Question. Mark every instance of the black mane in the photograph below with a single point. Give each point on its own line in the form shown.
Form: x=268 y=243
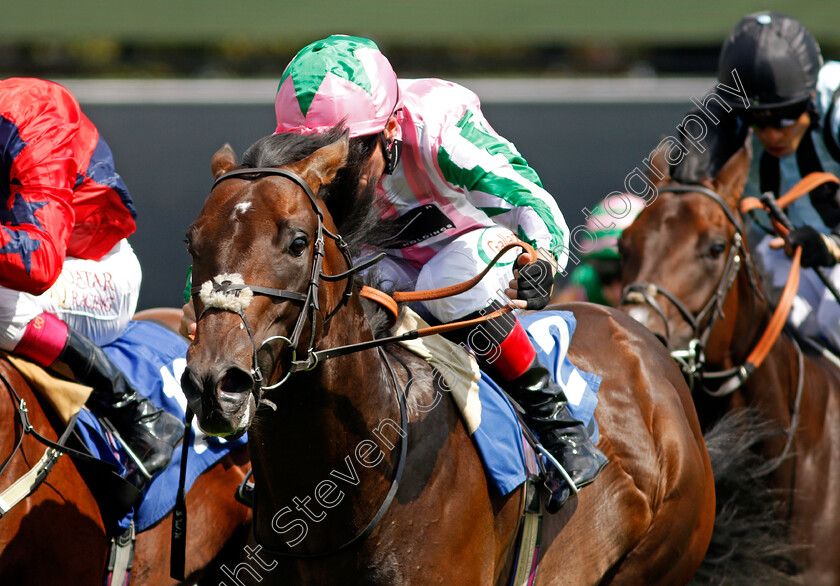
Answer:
x=280 y=149
x=356 y=213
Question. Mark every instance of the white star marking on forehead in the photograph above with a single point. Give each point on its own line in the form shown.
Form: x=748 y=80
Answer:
x=240 y=209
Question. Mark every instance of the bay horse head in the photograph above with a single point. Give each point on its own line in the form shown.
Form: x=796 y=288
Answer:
x=681 y=261
x=260 y=246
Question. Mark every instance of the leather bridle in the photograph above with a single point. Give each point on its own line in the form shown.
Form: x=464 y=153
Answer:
x=692 y=358
x=309 y=299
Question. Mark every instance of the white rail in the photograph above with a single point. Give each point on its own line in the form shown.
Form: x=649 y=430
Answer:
x=261 y=91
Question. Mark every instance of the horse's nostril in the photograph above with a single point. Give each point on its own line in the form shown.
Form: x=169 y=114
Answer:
x=235 y=381
x=190 y=384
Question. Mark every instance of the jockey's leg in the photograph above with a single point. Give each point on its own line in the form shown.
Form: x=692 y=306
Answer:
x=828 y=314
x=151 y=433
x=92 y=299
x=506 y=353
x=815 y=312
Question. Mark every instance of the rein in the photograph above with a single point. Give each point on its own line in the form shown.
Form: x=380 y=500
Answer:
x=692 y=359
x=386 y=503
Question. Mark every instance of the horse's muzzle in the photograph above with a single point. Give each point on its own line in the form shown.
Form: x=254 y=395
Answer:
x=221 y=396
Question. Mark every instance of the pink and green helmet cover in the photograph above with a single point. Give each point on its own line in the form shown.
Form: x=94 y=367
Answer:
x=340 y=78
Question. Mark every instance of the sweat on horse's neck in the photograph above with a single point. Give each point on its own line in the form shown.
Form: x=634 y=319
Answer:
x=745 y=317
x=330 y=422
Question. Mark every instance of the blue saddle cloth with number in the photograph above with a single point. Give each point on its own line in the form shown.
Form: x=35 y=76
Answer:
x=153 y=358
x=507 y=457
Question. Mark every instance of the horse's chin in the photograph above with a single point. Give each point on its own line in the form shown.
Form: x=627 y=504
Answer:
x=225 y=435
x=226 y=423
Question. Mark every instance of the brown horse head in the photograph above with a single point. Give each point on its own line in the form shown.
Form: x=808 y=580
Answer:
x=681 y=253
x=270 y=231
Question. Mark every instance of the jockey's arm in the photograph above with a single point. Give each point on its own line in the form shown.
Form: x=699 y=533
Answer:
x=498 y=181
x=35 y=232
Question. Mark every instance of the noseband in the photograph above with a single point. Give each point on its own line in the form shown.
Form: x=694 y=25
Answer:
x=226 y=291
x=692 y=358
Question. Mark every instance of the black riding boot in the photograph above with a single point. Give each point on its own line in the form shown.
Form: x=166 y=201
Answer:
x=149 y=432
x=548 y=415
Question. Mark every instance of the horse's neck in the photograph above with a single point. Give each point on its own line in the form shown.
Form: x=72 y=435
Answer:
x=772 y=386
x=745 y=316
x=319 y=443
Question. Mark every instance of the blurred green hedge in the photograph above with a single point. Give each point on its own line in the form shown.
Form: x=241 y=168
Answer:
x=257 y=37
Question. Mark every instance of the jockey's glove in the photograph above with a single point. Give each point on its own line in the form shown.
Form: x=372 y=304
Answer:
x=818 y=250
x=534 y=284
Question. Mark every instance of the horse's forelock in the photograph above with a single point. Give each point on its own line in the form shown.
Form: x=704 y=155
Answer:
x=288 y=147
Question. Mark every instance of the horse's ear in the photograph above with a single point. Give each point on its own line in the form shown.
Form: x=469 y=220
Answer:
x=223 y=160
x=321 y=166
x=732 y=178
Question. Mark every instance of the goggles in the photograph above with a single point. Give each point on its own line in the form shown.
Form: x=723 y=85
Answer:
x=779 y=118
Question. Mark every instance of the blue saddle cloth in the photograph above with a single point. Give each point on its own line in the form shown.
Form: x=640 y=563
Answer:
x=507 y=458
x=153 y=359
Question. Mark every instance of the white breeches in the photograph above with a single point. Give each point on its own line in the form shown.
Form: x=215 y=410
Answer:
x=463 y=258
x=96 y=298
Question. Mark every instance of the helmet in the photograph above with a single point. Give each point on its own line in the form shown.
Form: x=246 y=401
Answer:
x=337 y=79
x=776 y=58
x=612 y=216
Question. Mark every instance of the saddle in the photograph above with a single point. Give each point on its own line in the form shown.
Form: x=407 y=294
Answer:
x=65 y=396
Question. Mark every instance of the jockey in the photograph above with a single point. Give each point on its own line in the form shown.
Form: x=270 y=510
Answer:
x=789 y=102
x=456 y=192
x=597 y=278
x=69 y=280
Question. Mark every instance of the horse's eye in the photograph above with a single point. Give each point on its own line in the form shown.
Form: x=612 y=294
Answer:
x=298 y=246
x=716 y=249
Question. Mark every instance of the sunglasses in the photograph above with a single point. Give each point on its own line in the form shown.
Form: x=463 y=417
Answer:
x=774 y=117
